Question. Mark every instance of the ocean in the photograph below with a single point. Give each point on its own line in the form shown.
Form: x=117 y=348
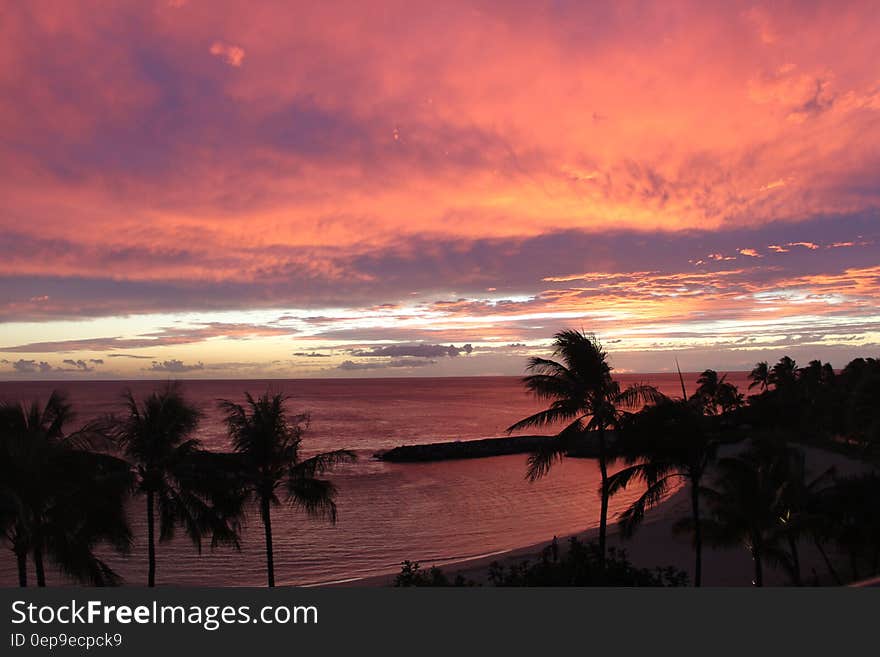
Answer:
x=434 y=513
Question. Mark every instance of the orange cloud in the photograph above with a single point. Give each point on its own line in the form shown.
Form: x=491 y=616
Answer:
x=232 y=55
x=348 y=148
x=751 y=253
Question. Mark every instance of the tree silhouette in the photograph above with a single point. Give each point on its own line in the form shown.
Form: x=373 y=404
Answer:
x=797 y=500
x=668 y=441
x=783 y=374
x=268 y=442
x=716 y=393
x=760 y=376
x=583 y=395
x=58 y=498
x=751 y=503
x=183 y=484
x=851 y=518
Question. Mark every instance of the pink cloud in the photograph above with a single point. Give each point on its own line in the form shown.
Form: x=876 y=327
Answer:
x=363 y=144
x=232 y=55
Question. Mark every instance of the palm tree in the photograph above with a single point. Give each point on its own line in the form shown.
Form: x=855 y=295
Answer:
x=662 y=443
x=716 y=392
x=760 y=376
x=183 y=484
x=59 y=498
x=708 y=384
x=798 y=499
x=9 y=529
x=729 y=397
x=268 y=442
x=749 y=504
x=584 y=395
x=784 y=374
x=852 y=521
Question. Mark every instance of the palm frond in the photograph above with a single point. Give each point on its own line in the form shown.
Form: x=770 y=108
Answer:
x=558 y=412
x=635 y=514
x=549 y=452
x=321 y=463
x=317 y=497
x=640 y=393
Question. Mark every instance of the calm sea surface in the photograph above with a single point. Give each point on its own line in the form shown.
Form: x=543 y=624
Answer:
x=433 y=512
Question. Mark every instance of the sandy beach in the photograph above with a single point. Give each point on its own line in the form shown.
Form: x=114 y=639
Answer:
x=655 y=544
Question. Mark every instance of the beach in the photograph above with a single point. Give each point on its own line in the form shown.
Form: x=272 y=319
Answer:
x=655 y=544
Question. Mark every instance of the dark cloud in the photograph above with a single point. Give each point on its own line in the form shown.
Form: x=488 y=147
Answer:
x=414 y=350
x=310 y=354
x=22 y=366
x=376 y=277
x=81 y=365
x=164 y=337
x=175 y=366
x=351 y=366
x=90 y=344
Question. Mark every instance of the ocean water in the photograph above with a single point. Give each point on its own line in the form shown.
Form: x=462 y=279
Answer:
x=435 y=513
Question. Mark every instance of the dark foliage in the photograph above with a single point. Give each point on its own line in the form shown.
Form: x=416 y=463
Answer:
x=815 y=404
x=581 y=565
x=411 y=574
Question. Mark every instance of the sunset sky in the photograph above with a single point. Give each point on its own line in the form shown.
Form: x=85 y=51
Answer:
x=199 y=188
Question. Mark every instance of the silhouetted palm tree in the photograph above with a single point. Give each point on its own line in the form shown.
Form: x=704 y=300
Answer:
x=584 y=395
x=716 y=393
x=862 y=408
x=813 y=374
x=784 y=373
x=183 y=484
x=661 y=443
x=852 y=521
x=59 y=499
x=749 y=505
x=268 y=442
x=760 y=376
x=707 y=387
x=798 y=498
x=729 y=397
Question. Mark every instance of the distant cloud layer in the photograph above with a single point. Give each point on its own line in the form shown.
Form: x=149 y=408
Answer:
x=351 y=366
x=415 y=350
x=175 y=366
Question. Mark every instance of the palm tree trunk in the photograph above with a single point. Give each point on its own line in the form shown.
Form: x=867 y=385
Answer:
x=21 y=558
x=759 y=567
x=698 y=535
x=151 y=541
x=267 y=524
x=38 y=565
x=854 y=565
x=795 y=562
x=603 y=517
x=827 y=561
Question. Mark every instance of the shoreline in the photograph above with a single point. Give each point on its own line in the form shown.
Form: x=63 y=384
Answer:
x=476 y=567
x=653 y=545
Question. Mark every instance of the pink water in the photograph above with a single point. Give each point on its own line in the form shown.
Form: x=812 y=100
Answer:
x=428 y=512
